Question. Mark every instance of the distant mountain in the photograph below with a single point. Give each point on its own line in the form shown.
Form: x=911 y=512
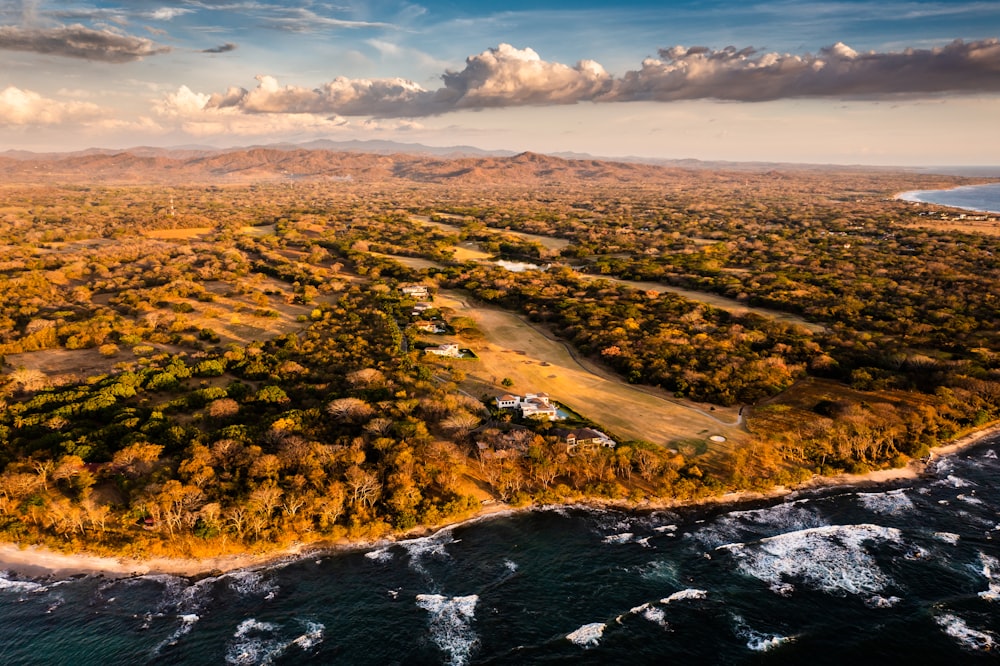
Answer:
x=363 y=161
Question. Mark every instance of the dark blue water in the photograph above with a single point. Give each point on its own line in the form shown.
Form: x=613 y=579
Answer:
x=984 y=198
x=907 y=574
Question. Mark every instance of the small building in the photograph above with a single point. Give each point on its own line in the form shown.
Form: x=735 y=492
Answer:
x=508 y=401
x=430 y=326
x=422 y=306
x=415 y=291
x=585 y=437
x=531 y=406
x=450 y=350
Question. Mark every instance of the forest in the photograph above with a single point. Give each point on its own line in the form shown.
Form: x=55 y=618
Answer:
x=194 y=369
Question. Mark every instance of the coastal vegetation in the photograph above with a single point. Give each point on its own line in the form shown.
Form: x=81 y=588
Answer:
x=192 y=369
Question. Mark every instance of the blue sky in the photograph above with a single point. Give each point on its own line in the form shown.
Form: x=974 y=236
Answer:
x=898 y=82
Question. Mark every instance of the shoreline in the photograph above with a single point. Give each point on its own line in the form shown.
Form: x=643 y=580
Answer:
x=35 y=561
x=913 y=196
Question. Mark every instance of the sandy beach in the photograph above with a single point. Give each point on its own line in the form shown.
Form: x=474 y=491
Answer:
x=36 y=561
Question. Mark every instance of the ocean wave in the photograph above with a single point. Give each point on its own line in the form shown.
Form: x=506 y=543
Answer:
x=20 y=586
x=756 y=640
x=968 y=499
x=832 y=559
x=947 y=537
x=382 y=555
x=589 y=635
x=684 y=595
x=893 y=501
x=879 y=601
x=250 y=583
x=989 y=570
x=773 y=520
x=656 y=616
x=624 y=537
x=450 y=624
x=956 y=482
x=425 y=547
x=187 y=623
x=966 y=636
x=259 y=643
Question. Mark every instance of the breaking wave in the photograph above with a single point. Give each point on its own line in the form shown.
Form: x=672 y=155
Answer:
x=893 y=501
x=260 y=643
x=451 y=624
x=966 y=636
x=775 y=520
x=589 y=635
x=832 y=559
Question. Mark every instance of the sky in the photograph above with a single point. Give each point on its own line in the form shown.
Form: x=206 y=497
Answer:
x=899 y=82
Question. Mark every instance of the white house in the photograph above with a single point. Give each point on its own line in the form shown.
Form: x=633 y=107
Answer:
x=532 y=405
x=415 y=291
x=450 y=350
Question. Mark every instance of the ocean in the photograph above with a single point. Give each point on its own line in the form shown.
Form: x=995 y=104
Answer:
x=983 y=198
x=892 y=574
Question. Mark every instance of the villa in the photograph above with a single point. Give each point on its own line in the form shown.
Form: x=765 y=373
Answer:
x=450 y=350
x=531 y=406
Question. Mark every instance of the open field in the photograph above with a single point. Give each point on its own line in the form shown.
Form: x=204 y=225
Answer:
x=515 y=349
x=548 y=242
x=178 y=234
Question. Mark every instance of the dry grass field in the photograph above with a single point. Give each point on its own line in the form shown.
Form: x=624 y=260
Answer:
x=514 y=349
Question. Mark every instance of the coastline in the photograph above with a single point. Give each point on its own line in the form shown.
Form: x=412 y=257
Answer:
x=36 y=561
x=914 y=196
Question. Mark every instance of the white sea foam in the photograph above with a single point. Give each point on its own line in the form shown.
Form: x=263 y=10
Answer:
x=258 y=642
x=684 y=595
x=589 y=635
x=251 y=583
x=966 y=636
x=947 y=537
x=969 y=499
x=19 y=586
x=878 y=601
x=893 y=501
x=624 y=537
x=450 y=624
x=254 y=643
x=187 y=623
x=381 y=555
x=775 y=520
x=832 y=559
x=666 y=529
x=510 y=565
x=656 y=616
x=756 y=640
x=312 y=637
x=430 y=546
x=956 y=482
x=990 y=572
x=990 y=454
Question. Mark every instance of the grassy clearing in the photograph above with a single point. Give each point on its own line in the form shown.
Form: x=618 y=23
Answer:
x=178 y=234
x=516 y=350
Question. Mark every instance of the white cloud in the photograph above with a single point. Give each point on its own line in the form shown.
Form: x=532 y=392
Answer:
x=199 y=114
x=27 y=108
x=506 y=76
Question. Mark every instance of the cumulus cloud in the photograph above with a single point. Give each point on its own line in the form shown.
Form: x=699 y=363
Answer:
x=27 y=108
x=200 y=114
x=78 y=41
x=224 y=48
x=837 y=71
x=507 y=76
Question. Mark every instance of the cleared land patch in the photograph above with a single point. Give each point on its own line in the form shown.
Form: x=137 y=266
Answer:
x=515 y=349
